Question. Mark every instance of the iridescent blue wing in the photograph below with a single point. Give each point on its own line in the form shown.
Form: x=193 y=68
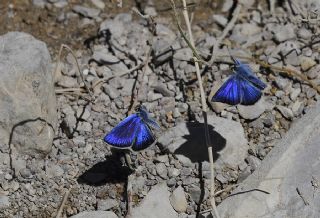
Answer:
x=245 y=71
x=249 y=93
x=229 y=92
x=144 y=137
x=146 y=118
x=237 y=90
x=124 y=134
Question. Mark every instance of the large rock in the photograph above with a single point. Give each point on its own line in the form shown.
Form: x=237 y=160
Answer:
x=290 y=173
x=227 y=138
x=27 y=99
x=156 y=204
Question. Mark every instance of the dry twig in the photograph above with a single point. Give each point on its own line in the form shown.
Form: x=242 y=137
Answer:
x=197 y=57
x=63 y=202
x=58 y=66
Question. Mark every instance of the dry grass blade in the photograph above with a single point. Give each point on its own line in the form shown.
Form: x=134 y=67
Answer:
x=58 y=67
x=190 y=43
x=63 y=202
x=289 y=72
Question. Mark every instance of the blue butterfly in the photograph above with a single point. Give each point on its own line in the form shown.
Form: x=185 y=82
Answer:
x=243 y=87
x=133 y=132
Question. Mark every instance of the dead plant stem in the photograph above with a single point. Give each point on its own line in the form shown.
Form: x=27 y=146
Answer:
x=204 y=108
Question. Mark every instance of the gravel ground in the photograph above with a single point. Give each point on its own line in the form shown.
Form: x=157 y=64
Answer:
x=95 y=174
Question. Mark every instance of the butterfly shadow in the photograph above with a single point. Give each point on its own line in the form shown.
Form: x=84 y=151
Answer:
x=195 y=146
x=196 y=150
x=109 y=171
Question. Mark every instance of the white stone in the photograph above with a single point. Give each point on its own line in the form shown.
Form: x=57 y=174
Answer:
x=155 y=205
x=178 y=200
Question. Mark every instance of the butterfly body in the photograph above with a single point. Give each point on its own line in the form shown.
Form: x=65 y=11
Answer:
x=243 y=87
x=133 y=132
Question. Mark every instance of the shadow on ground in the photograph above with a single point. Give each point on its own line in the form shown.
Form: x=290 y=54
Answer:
x=109 y=171
x=195 y=147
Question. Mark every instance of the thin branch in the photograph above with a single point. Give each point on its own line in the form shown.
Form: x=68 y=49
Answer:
x=63 y=202
x=103 y=80
x=203 y=98
x=61 y=91
x=58 y=66
x=226 y=189
x=289 y=72
x=189 y=43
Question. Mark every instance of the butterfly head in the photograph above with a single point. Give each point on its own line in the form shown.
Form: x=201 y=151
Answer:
x=141 y=109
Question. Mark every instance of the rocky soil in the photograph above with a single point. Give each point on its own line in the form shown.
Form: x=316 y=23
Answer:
x=173 y=176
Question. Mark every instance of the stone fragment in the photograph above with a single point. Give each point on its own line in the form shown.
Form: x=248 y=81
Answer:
x=178 y=200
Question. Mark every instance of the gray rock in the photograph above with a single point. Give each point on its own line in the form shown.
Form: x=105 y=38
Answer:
x=314 y=72
x=4 y=202
x=67 y=82
x=107 y=204
x=220 y=19
x=163 y=89
x=85 y=11
x=162 y=170
x=227 y=5
x=150 y=11
x=253 y=162
x=54 y=170
x=285 y=32
x=156 y=204
x=297 y=108
x=252 y=112
x=39 y=3
x=139 y=184
x=95 y=214
x=304 y=33
x=33 y=120
x=153 y=96
x=183 y=54
x=269 y=120
x=173 y=172
x=282 y=83
x=295 y=93
x=103 y=56
x=310 y=92
x=111 y=91
x=295 y=162
x=195 y=193
x=98 y=3
x=306 y=63
x=127 y=86
x=115 y=27
x=221 y=178
x=286 y=112
x=84 y=126
x=227 y=138
x=178 y=200
x=61 y=3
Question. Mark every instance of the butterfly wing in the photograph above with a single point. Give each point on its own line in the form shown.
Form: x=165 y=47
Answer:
x=237 y=90
x=245 y=71
x=249 y=93
x=124 y=134
x=229 y=92
x=144 y=137
x=146 y=118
